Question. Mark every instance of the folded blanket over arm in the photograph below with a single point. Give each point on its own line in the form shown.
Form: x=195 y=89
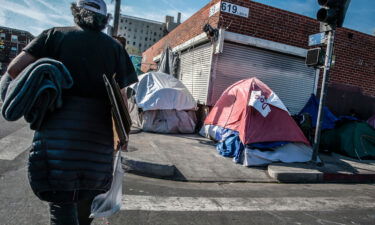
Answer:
x=37 y=89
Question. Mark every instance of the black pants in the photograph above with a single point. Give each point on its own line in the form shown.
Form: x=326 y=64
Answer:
x=70 y=208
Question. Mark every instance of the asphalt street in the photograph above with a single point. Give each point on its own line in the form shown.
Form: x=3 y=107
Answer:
x=155 y=201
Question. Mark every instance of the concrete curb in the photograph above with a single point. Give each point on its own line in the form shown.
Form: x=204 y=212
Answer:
x=148 y=168
x=307 y=173
x=348 y=178
x=282 y=173
x=295 y=173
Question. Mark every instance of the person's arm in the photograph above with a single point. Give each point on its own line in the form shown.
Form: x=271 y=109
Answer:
x=20 y=63
x=36 y=49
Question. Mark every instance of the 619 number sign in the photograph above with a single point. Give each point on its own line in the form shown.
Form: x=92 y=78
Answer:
x=234 y=9
x=228 y=7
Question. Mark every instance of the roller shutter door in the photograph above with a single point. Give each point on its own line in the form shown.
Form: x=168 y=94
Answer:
x=195 y=70
x=286 y=75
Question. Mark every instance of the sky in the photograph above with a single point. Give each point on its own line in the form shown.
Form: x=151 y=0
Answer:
x=38 y=15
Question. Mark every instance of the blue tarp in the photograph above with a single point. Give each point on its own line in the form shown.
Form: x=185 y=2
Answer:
x=312 y=107
x=268 y=145
x=137 y=63
x=231 y=146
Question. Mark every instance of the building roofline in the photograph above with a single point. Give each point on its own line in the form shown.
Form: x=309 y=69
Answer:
x=2 y=27
x=310 y=18
x=142 y=19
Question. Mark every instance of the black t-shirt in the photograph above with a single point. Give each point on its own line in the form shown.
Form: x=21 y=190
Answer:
x=88 y=55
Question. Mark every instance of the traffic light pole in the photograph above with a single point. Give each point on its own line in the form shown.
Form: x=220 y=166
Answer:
x=323 y=93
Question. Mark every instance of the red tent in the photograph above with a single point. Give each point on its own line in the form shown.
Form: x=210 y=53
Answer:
x=255 y=111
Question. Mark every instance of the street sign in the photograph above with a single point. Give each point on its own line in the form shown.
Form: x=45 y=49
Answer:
x=317 y=39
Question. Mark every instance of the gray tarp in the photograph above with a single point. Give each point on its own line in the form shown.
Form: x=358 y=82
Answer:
x=169 y=121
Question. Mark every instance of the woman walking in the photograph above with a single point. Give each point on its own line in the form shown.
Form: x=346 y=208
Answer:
x=72 y=153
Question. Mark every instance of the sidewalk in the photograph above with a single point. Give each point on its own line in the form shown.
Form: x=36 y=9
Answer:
x=194 y=158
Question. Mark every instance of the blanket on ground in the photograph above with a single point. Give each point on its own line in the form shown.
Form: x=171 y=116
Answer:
x=35 y=91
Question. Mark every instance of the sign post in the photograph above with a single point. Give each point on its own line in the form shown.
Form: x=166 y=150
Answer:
x=323 y=94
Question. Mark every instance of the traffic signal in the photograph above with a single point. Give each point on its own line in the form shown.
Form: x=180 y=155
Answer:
x=315 y=57
x=333 y=12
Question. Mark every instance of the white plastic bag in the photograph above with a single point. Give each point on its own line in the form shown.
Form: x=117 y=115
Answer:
x=107 y=204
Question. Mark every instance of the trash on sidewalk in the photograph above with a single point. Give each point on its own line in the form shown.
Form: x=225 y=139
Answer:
x=254 y=127
x=346 y=135
x=162 y=104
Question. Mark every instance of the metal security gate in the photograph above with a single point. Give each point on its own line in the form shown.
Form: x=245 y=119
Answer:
x=195 y=70
x=286 y=75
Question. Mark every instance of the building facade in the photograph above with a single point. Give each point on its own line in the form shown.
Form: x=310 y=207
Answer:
x=141 y=33
x=12 y=41
x=254 y=39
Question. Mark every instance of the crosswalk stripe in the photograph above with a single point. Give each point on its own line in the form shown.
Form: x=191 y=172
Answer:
x=199 y=204
x=13 y=145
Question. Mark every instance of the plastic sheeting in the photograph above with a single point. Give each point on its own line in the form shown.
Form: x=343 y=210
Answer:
x=134 y=110
x=290 y=153
x=268 y=145
x=352 y=138
x=160 y=91
x=231 y=147
x=137 y=63
x=169 y=121
x=215 y=133
x=312 y=107
x=168 y=62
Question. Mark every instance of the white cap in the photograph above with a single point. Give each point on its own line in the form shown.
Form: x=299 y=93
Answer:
x=97 y=6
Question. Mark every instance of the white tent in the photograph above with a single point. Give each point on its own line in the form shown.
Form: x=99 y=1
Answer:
x=160 y=91
x=166 y=104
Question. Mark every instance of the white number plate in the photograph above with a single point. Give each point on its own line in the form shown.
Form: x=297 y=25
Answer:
x=229 y=8
x=234 y=9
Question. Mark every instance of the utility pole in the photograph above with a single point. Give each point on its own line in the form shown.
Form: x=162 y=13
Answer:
x=117 y=17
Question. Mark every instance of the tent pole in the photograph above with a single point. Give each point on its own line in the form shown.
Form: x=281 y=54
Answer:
x=323 y=94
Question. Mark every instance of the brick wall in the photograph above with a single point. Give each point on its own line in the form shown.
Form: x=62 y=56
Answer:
x=355 y=58
x=184 y=32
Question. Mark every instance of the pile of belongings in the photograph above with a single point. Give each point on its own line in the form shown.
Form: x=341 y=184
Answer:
x=345 y=135
x=162 y=104
x=254 y=127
